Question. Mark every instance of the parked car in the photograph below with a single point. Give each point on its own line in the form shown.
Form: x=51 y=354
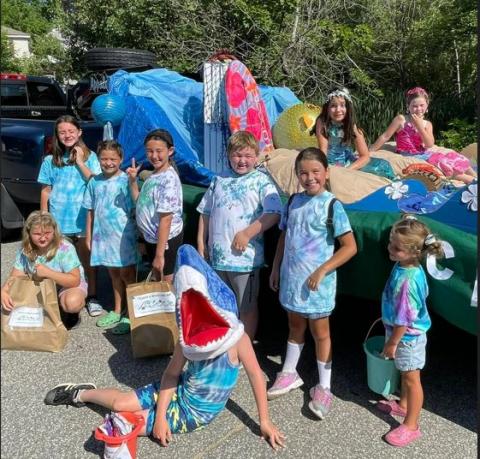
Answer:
x=29 y=107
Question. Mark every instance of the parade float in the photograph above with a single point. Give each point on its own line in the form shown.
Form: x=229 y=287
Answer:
x=202 y=115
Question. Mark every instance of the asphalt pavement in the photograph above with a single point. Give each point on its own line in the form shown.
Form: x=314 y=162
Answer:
x=353 y=429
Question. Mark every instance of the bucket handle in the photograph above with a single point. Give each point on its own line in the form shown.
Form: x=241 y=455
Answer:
x=368 y=333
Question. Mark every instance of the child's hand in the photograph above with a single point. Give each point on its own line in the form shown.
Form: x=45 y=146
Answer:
x=274 y=280
x=418 y=122
x=161 y=431
x=389 y=350
x=79 y=155
x=158 y=264
x=6 y=300
x=132 y=171
x=315 y=278
x=240 y=241
x=275 y=437
x=41 y=272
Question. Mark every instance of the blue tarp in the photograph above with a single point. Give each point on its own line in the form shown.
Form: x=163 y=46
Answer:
x=161 y=98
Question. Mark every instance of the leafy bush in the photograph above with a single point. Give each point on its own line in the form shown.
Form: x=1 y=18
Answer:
x=460 y=134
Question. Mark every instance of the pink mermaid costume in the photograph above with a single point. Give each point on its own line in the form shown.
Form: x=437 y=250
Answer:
x=409 y=142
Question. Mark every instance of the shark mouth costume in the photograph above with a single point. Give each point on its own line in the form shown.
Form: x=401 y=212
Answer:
x=207 y=313
x=207 y=318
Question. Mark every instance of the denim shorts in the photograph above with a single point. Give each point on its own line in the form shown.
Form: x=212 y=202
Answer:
x=310 y=315
x=410 y=355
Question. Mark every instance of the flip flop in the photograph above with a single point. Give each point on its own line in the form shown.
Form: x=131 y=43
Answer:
x=122 y=328
x=108 y=320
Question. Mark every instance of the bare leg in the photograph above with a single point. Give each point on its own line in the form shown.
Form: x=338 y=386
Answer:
x=320 y=329
x=84 y=255
x=296 y=328
x=414 y=392
x=118 y=289
x=72 y=300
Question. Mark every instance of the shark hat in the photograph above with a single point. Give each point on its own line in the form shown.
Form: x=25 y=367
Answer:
x=206 y=309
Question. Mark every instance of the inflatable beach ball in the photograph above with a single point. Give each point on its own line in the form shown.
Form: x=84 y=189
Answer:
x=293 y=126
x=108 y=108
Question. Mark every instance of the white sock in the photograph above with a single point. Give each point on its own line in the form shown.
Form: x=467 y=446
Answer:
x=77 y=397
x=324 y=374
x=293 y=356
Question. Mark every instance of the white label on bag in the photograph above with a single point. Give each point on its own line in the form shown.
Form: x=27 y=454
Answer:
x=153 y=303
x=25 y=317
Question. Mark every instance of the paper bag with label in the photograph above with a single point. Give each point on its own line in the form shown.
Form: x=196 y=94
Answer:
x=34 y=324
x=151 y=309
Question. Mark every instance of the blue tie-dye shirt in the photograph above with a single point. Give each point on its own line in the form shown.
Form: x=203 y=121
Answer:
x=203 y=389
x=338 y=154
x=68 y=186
x=114 y=237
x=232 y=203
x=308 y=246
x=404 y=301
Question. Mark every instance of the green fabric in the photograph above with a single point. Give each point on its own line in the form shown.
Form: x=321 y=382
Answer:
x=366 y=274
x=108 y=320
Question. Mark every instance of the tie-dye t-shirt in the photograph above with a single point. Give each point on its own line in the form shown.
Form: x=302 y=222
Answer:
x=161 y=193
x=114 y=238
x=202 y=392
x=68 y=186
x=307 y=246
x=404 y=301
x=64 y=261
x=232 y=203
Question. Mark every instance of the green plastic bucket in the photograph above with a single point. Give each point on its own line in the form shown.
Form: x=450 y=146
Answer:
x=382 y=376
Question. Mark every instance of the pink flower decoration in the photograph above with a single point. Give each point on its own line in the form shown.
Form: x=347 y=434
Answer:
x=254 y=124
x=235 y=90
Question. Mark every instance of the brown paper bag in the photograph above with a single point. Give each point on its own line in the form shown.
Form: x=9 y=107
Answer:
x=34 y=324
x=151 y=309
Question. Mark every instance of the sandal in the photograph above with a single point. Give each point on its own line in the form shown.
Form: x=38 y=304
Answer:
x=108 y=320
x=122 y=328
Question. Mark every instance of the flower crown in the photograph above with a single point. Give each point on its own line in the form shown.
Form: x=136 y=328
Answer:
x=416 y=90
x=343 y=92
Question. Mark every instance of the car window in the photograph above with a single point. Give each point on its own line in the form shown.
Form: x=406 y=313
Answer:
x=13 y=94
x=43 y=94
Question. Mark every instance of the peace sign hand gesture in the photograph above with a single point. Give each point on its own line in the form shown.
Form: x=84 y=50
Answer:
x=132 y=171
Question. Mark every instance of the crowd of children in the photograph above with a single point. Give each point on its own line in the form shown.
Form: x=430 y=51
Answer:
x=93 y=214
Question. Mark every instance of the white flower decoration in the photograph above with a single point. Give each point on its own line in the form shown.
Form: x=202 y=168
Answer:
x=469 y=196
x=396 y=190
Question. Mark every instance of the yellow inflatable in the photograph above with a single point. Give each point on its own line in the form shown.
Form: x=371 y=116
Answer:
x=292 y=129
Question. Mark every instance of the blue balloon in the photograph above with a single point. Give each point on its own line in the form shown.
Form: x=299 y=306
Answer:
x=108 y=108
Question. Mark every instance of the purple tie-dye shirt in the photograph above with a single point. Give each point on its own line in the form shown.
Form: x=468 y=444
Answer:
x=404 y=301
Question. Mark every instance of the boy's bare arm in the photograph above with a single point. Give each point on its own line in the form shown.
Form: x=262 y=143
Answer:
x=263 y=223
x=202 y=235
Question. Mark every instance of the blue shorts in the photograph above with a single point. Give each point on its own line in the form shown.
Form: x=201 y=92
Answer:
x=410 y=355
x=147 y=397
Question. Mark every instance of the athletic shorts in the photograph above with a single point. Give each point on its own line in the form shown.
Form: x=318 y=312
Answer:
x=245 y=286
x=170 y=253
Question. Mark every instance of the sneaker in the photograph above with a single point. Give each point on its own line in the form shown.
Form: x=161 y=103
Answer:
x=109 y=320
x=65 y=394
x=391 y=407
x=284 y=383
x=321 y=401
x=402 y=436
x=94 y=308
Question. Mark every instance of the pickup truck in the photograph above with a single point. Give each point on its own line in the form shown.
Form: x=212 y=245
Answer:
x=29 y=107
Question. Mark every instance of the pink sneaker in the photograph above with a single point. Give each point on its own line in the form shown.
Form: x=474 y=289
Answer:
x=402 y=436
x=321 y=401
x=284 y=383
x=391 y=407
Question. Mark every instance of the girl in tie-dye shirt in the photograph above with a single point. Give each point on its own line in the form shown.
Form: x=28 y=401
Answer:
x=406 y=320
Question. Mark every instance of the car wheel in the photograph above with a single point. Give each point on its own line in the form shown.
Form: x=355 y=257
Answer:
x=110 y=58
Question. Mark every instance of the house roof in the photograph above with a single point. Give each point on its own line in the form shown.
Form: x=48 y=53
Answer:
x=14 y=33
